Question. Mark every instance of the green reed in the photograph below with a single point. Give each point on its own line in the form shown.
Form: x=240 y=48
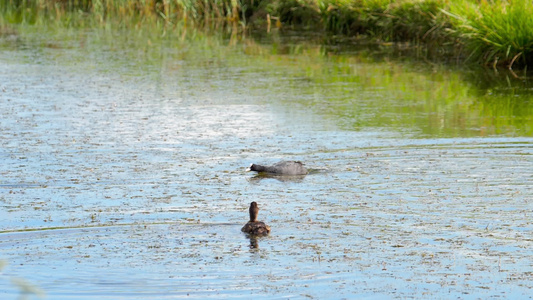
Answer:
x=131 y=12
x=497 y=31
x=383 y=19
x=493 y=31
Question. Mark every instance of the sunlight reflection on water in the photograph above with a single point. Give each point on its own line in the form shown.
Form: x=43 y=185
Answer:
x=138 y=195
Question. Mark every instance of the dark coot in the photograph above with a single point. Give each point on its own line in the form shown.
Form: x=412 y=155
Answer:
x=281 y=168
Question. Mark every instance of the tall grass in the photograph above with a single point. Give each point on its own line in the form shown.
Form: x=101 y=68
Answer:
x=384 y=19
x=76 y=12
x=495 y=31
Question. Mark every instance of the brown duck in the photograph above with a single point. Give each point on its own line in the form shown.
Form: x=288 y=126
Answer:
x=255 y=227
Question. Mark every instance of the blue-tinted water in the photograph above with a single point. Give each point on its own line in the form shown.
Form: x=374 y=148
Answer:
x=133 y=186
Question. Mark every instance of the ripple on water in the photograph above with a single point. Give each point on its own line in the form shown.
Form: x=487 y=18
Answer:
x=120 y=192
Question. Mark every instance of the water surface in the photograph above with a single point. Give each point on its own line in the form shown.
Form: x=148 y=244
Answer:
x=124 y=160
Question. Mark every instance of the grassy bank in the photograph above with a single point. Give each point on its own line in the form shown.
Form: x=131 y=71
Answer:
x=493 y=32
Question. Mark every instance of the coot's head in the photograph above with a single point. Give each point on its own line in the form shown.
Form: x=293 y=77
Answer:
x=252 y=167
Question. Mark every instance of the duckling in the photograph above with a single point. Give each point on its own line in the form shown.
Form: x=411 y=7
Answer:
x=253 y=226
x=281 y=168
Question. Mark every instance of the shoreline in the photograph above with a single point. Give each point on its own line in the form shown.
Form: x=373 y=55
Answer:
x=492 y=34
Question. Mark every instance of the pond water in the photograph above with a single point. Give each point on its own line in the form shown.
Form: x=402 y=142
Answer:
x=124 y=161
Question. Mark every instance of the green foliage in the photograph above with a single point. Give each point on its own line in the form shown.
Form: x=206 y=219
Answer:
x=495 y=31
x=416 y=20
x=385 y=20
x=296 y=12
x=123 y=11
x=351 y=17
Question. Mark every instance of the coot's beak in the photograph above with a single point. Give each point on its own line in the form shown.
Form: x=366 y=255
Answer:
x=249 y=168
